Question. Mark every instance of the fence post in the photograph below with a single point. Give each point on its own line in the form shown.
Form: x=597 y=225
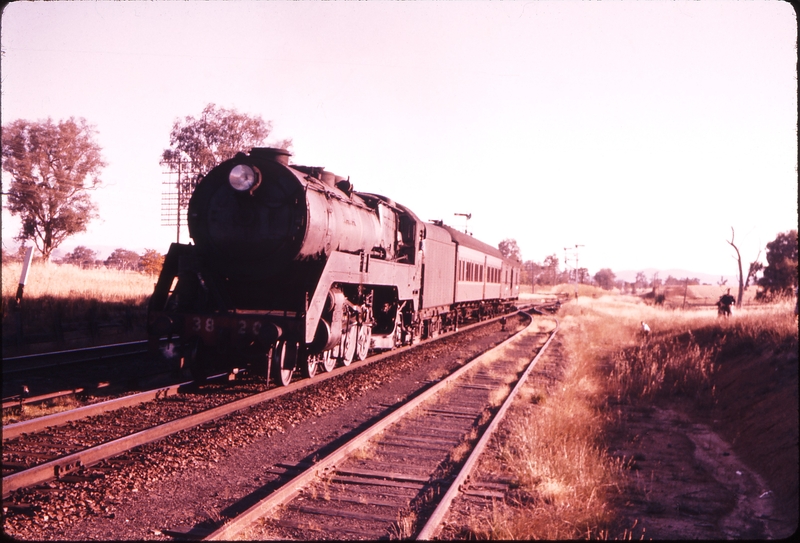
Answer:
x=23 y=278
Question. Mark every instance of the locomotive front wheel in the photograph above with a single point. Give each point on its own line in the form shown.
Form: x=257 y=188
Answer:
x=283 y=362
x=328 y=361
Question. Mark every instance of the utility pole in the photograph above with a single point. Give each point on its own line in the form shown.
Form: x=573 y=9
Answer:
x=174 y=197
x=576 y=268
x=577 y=263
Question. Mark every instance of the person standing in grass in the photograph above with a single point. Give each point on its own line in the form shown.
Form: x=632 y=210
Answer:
x=724 y=304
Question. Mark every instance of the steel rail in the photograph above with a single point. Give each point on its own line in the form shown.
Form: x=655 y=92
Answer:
x=434 y=522
x=29 y=362
x=18 y=399
x=285 y=493
x=53 y=469
x=57 y=419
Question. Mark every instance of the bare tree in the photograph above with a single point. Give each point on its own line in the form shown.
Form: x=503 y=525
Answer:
x=741 y=274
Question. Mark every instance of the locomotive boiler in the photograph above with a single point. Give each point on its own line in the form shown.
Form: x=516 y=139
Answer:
x=293 y=269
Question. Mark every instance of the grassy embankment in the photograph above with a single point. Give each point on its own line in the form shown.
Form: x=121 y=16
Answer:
x=61 y=298
x=740 y=372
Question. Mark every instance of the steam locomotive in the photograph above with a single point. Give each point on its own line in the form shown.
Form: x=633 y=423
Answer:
x=291 y=269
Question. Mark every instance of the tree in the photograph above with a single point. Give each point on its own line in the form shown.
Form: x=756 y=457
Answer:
x=151 y=262
x=755 y=267
x=80 y=256
x=199 y=144
x=674 y=281
x=605 y=279
x=641 y=280
x=780 y=274
x=741 y=275
x=123 y=259
x=52 y=168
x=509 y=249
x=551 y=264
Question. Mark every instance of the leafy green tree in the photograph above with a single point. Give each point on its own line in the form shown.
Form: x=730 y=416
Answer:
x=52 y=167
x=510 y=249
x=605 y=279
x=780 y=274
x=551 y=264
x=199 y=144
x=123 y=259
x=80 y=256
x=151 y=262
x=641 y=281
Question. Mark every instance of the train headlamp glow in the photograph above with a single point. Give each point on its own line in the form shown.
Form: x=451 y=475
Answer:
x=243 y=177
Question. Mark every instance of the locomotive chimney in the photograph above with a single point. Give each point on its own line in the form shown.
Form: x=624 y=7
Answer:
x=328 y=178
x=272 y=153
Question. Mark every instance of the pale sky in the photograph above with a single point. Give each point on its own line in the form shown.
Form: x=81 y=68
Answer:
x=641 y=131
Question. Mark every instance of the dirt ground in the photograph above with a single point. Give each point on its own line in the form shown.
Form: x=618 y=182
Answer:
x=720 y=468
x=689 y=483
x=728 y=472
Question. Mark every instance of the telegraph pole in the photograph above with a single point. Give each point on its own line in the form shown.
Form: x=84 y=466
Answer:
x=577 y=266
x=175 y=194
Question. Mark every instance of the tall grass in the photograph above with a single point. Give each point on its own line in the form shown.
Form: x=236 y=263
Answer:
x=68 y=281
x=557 y=458
x=61 y=298
x=556 y=449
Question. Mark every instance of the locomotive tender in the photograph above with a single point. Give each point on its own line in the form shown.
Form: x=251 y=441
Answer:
x=291 y=268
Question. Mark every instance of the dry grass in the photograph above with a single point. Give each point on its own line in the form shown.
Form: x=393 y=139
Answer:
x=61 y=300
x=368 y=451
x=556 y=449
x=403 y=527
x=556 y=456
x=67 y=281
x=32 y=411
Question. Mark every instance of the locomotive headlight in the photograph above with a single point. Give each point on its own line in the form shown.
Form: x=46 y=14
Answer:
x=243 y=178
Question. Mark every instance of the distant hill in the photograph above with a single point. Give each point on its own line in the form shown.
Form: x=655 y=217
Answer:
x=705 y=278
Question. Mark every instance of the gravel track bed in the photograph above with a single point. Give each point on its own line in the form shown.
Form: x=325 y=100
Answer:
x=92 y=431
x=491 y=483
x=194 y=478
x=424 y=451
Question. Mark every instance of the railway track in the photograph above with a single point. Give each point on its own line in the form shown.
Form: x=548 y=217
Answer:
x=409 y=462
x=58 y=445
x=75 y=501
x=37 y=362
x=94 y=371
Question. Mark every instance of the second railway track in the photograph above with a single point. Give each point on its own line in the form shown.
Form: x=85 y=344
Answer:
x=385 y=481
x=44 y=500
